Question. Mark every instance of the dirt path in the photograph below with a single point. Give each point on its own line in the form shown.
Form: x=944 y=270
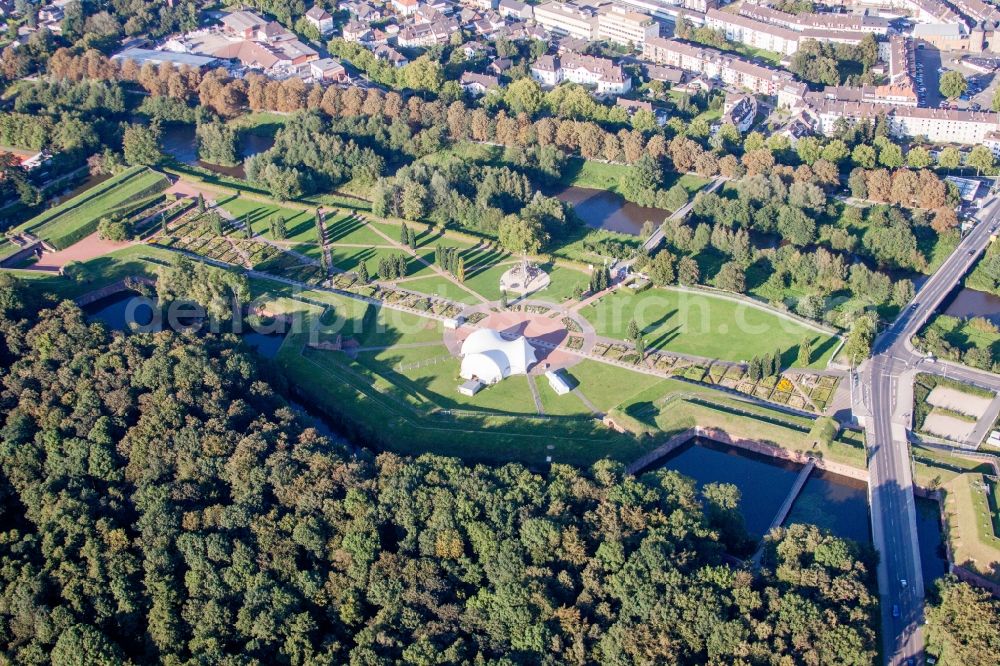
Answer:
x=88 y=248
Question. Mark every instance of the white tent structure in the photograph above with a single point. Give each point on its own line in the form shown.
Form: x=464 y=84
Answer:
x=488 y=357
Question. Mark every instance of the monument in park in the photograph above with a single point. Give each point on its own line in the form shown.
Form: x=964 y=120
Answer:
x=524 y=277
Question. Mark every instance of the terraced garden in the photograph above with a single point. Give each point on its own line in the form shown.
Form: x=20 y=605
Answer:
x=76 y=218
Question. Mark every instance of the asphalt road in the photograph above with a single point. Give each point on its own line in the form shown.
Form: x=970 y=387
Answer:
x=886 y=389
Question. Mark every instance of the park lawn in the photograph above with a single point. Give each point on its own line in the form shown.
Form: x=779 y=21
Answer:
x=563 y=280
x=971 y=522
x=558 y=405
x=606 y=385
x=437 y=285
x=597 y=175
x=705 y=325
x=78 y=217
x=349 y=258
x=395 y=327
x=673 y=406
x=346 y=229
x=300 y=225
x=485 y=280
x=376 y=414
x=571 y=246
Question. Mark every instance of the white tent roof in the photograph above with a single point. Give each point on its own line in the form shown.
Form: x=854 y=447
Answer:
x=489 y=357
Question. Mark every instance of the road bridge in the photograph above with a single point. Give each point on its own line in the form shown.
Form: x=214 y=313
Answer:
x=881 y=392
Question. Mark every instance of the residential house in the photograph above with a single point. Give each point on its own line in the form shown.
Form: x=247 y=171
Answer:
x=603 y=74
x=320 y=19
x=390 y=55
x=405 y=7
x=478 y=84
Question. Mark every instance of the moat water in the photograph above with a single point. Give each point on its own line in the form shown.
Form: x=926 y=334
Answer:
x=830 y=501
x=602 y=209
x=181 y=143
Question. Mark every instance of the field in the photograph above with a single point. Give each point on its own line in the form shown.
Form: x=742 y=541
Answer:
x=605 y=176
x=705 y=325
x=72 y=220
x=971 y=514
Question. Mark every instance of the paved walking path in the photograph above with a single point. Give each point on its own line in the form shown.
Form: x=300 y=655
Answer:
x=534 y=395
x=586 y=402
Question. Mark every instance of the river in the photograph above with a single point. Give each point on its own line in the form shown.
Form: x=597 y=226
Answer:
x=602 y=209
x=965 y=302
x=180 y=142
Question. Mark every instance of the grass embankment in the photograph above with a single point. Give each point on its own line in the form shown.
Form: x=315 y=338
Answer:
x=76 y=218
x=981 y=277
x=596 y=175
x=973 y=523
x=672 y=406
x=964 y=334
x=706 y=325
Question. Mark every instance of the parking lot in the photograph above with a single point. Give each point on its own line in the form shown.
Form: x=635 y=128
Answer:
x=930 y=61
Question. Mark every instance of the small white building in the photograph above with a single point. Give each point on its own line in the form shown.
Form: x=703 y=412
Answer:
x=557 y=382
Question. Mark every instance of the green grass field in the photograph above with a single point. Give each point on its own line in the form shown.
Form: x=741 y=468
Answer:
x=137 y=260
x=76 y=218
x=604 y=176
x=705 y=325
x=438 y=285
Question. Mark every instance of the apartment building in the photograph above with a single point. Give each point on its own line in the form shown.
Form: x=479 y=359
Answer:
x=607 y=77
x=922 y=11
x=977 y=11
x=567 y=18
x=622 y=26
x=775 y=37
x=938 y=125
x=901 y=59
x=753 y=33
x=806 y=22
x=715 y=64
x=888 y=95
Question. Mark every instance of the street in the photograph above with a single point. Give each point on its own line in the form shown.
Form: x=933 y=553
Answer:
x=887 y=394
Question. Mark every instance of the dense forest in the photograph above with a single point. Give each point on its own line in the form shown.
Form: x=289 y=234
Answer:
x=163 y=503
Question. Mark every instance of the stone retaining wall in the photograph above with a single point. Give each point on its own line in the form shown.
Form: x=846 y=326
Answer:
x=763 y=448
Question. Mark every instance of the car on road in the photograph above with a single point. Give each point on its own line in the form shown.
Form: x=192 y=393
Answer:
x=895 y=610
x=971 y=252
x=902 y=581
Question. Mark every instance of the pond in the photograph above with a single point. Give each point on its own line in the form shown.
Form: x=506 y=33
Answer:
x=181 y=143
x=933 y=557
x=602 y=209
x=763 y=482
